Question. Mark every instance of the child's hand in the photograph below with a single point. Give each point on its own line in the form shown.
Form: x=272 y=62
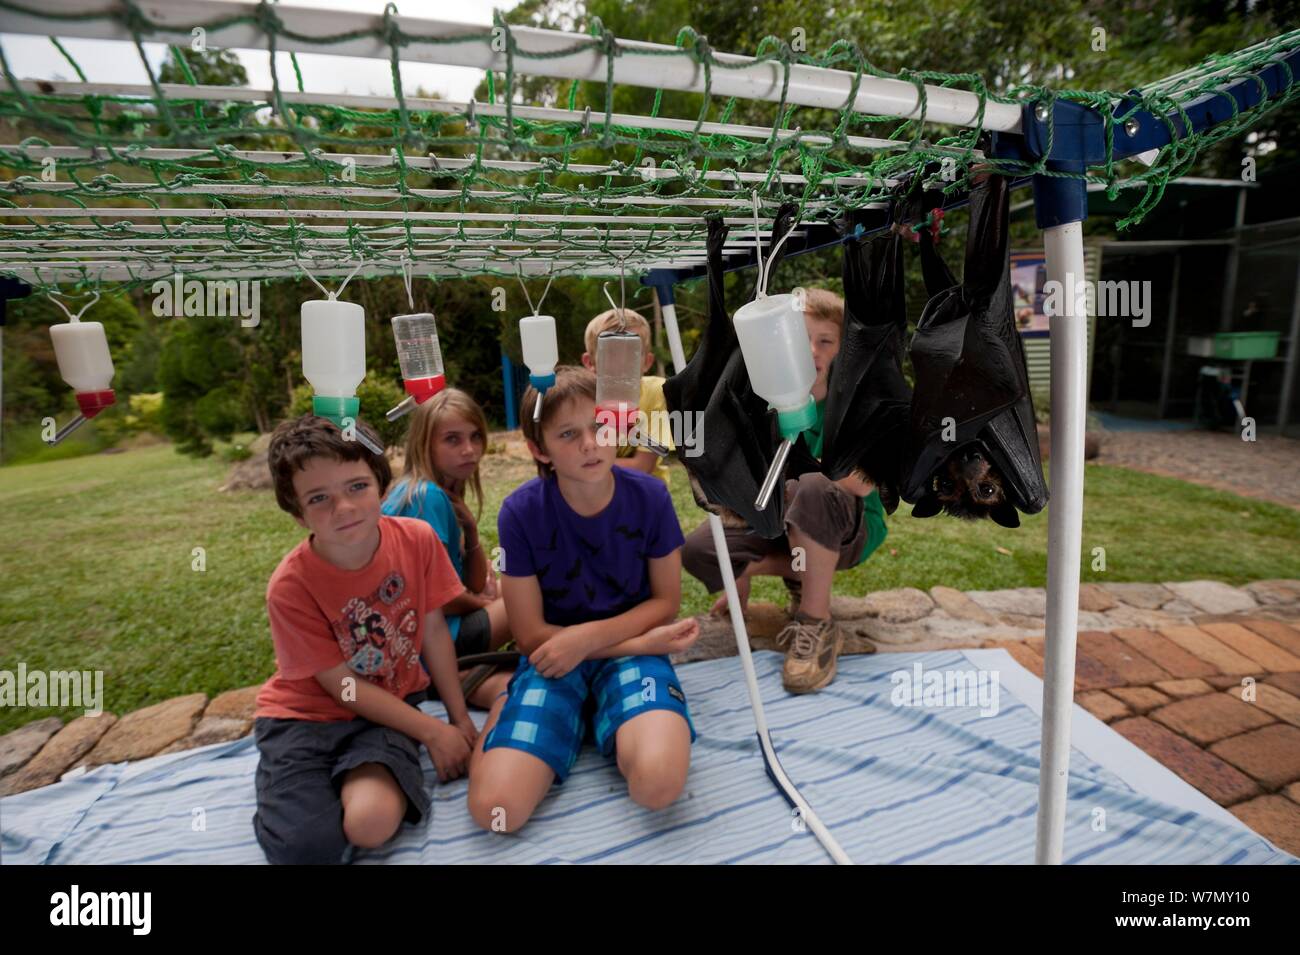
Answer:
x=448 y=749
x=559 y=655
x=465 y=518
x=673 y=637
x=491 y=588
x=467 y=729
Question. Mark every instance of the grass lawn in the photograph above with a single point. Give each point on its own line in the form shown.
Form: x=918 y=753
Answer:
x=96 y=556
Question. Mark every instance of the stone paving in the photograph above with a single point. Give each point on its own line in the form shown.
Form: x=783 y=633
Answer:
x=1203 y=676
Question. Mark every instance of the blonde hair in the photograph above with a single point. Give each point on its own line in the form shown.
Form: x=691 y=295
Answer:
x=571 y=382
x=609 y=321
x=824 y=305
x=421 y=462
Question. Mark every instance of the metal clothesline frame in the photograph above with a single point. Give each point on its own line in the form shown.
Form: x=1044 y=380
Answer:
x=1019 y=131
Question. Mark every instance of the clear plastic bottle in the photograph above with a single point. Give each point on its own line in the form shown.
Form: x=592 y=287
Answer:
x=420 y=359
x=618 y=380
x=537 y=336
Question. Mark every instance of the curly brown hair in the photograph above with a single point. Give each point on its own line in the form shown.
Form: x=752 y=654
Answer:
x=297 y=441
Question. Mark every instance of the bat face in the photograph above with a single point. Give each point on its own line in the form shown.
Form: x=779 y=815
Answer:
x=970 y=487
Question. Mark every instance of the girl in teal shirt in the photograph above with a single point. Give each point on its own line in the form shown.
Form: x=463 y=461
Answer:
x=446 y=441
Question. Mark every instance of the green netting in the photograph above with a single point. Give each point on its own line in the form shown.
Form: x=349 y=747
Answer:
x=236 y=201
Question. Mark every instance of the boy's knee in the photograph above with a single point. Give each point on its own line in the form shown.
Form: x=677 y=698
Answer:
x=371 y=828
x=494 y=810
x=655 y=789
x=655 y=776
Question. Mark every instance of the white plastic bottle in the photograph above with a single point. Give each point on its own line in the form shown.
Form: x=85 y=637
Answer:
x=541 y=353
x=81 y=350
x=778 y=356
x=334 y=360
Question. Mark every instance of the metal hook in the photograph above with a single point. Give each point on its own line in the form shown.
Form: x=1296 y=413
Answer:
x=470 y=121
x=586 y=121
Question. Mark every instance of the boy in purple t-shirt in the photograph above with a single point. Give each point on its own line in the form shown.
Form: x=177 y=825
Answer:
x=592 y=585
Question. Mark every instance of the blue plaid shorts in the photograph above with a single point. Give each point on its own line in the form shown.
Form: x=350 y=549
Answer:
x=551 y=718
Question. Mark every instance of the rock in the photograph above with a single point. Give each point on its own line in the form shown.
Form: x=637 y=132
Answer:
x=65 y=748
x=1211 y=596
x=1092 y=621
x=252 y=473
x=884 y=633
x=899 y=606
x=1025 y=601
x=1123 y=615
x=1179 y=608
x=763 y=621
x=1020 y=621
x=1275 y=591
x=145 y=732
x=849 y=608
x=1143 y=596
x=1095 y=599
x=960 y=606
x=234 y=704
x=956 y=630
x=20 y=745
x=211 y=729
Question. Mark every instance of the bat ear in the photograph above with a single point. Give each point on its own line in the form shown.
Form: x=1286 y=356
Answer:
x=927 y=506
x=1005 y=514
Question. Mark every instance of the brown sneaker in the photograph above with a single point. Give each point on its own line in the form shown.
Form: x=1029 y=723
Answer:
x=811 y=648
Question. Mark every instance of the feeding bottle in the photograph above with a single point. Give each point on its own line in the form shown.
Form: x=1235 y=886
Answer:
x=618 y=380
x=334 y=359
x=778 y=356
x=420 y=359
x=537 y=336
x=81 y=349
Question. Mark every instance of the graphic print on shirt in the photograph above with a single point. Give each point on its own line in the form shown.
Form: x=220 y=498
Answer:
x=377 y=633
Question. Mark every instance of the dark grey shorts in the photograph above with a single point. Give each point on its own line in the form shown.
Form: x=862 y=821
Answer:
x=299 y=818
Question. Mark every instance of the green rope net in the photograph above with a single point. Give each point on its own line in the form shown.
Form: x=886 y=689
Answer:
x=237 y=182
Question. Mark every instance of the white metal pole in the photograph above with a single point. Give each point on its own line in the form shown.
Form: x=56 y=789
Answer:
x=806 y=812
x=1069 y=355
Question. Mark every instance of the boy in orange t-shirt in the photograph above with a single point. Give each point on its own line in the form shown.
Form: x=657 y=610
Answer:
x=353 y=610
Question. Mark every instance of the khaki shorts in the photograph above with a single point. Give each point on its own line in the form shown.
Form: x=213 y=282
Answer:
x=814 y=504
